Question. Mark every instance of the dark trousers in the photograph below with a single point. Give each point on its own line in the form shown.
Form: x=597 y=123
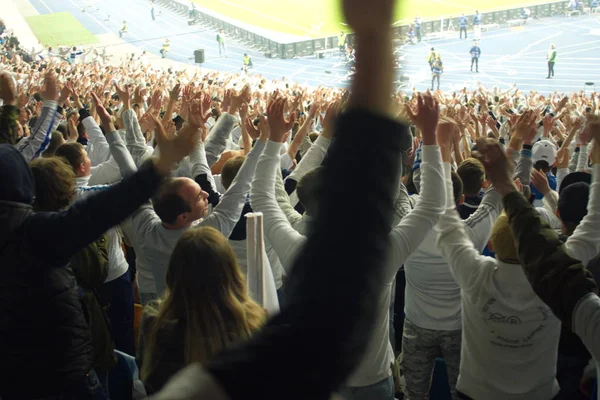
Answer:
x=433 y=81
x=120 y=312
x=418 y=33
x=475 y=61
x=463 y=29
x=550 y=69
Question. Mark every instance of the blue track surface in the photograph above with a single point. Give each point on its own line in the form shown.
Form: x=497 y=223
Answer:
x=508 y=56
x=516 y=56
x=149 y=35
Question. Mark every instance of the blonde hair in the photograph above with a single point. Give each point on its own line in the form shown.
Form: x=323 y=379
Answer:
x=503 y=241
x=207 y=293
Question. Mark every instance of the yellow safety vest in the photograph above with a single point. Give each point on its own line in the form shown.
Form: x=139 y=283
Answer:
x=342 y=40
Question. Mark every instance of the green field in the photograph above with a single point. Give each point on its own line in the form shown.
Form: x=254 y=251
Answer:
x=63 y=28
x=318 y=18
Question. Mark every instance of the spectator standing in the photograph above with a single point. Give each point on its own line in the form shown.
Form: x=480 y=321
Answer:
x=551 y=58
x=166 y=47
x=462 y=24
x=477 y=20
x=431 y=58
x=475 y=54
x=123 y=29
x=221 y=43
x=418 y=25
x=342 y=44
x=437 y=69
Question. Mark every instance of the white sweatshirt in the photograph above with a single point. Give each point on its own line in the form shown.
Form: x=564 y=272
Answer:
x=432 y=296
x=153 y=243
x=509 y=336
x=405 y=237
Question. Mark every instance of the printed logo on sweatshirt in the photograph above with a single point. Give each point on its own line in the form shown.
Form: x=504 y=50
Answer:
x=513 y=331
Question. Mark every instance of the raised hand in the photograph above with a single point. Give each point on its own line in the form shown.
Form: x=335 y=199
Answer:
x=252 y=130
x=540 y=181
x=124 y=94
x=8 y=89
x=498 y=168
x=425 y=116
x=265 y=131
x=173 y=150
x=328 y=121
x=105 y=118
x=50 y=90
x=278 y=124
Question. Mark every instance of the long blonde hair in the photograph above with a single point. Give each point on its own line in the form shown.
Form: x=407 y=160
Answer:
x=207 y=294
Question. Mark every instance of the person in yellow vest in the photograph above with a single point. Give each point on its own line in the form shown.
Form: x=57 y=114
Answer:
x=166 y=47
x=432 y=57
x=247 y=63
x=123 y=29
x=551 y=58
x=342 y=44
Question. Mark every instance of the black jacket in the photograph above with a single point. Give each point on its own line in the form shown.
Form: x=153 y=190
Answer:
x=44 y=337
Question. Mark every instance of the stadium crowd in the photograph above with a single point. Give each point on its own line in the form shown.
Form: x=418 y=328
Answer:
x=401 y=231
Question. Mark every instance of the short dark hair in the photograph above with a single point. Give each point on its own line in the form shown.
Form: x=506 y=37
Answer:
x=457 y=187
x=543 y=166
x=307 y=188
x=230 y=170
x=167 y=203
x=472 y=175
x=72 y=152
x=572 y=204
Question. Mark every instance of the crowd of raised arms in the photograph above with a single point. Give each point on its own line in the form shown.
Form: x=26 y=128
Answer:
x=125 y=184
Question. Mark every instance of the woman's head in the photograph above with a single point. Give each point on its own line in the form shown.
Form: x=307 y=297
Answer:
x=207 y=295
x=204 y=257
x=54 y=184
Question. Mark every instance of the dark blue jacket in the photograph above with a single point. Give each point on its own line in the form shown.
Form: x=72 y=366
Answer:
x=45 y=345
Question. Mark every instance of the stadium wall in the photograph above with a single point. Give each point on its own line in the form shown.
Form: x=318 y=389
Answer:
x=285 y=48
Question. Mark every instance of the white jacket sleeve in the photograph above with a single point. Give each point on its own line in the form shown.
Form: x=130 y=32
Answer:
x=313 y=158
x=284 y=239
x=413 y=228
x=98 y=149
x=283 y=199
x=479 y=225
x=134 y=138
x=229 y=210
x=34 y=145
x=199 y=164
x=584 y=245
x=216 y=142
x=468 y=266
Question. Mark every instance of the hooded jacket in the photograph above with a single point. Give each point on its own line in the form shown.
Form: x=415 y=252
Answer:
x=44 y=335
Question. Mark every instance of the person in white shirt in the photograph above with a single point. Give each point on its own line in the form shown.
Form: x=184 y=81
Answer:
x=372 y=379
x=510 y=336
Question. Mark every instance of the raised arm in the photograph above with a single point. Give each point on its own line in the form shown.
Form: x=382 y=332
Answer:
x=278 y=230
x=227 y=214
x=583 y=244
x=38 y=141
x=413 y=228
x=87 y=219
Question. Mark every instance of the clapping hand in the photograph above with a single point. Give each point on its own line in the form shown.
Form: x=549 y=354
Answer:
x=173 y=150
x=425 y=117
x=498 y=168
x=279 y=125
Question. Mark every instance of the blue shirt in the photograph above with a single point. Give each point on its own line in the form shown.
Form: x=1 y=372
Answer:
x=475 y=51
x=477 y=19
x=462 y=22
x=551 y=181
